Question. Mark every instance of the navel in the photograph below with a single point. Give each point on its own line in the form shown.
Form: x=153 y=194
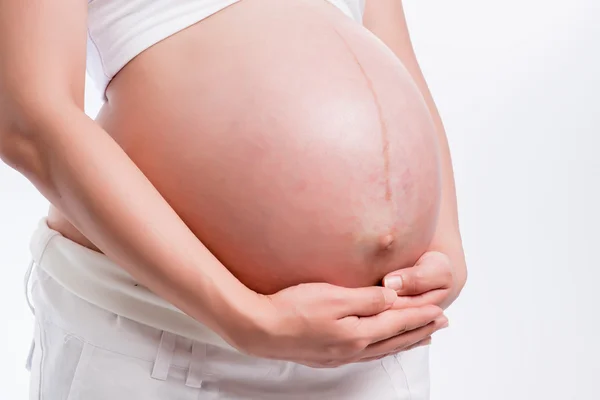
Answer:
x=386 y=242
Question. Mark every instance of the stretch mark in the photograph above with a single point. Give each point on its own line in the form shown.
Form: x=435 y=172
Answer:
x=385 y=140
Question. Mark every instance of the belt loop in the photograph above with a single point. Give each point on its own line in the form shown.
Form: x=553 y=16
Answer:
x=164 y=355
x=194 y=377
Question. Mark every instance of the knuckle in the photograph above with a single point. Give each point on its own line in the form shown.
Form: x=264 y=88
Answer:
x=337 y=299
x=445 y=259
x=348 y=349
x=401 y=327
x=412 y=281
x=448 y=273
x=322 y=290
x=359 y=345
x=377 y=299
x=336 y=352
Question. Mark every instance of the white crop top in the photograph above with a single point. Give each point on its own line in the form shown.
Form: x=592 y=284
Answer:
x=120 y=30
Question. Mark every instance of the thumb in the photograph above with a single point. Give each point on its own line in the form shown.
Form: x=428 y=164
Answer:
x=432 y=271
x=368 y=301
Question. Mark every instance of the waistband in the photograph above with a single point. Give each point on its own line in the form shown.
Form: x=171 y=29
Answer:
x=93 y=277
x=115 y=342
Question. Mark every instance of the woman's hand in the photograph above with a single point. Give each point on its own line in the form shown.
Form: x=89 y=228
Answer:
x=322 y=325
x=430 y=281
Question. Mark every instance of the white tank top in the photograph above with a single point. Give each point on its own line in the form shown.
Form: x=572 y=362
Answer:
x=120 y=30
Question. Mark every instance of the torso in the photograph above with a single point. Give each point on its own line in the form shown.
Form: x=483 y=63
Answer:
x=296 y=146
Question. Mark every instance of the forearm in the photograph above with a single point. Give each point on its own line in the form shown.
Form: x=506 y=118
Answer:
x=89 y=178
x=447 y=238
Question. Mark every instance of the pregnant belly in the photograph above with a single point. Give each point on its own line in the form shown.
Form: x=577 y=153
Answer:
x=290 y=140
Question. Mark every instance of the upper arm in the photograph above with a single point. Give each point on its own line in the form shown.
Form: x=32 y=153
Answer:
x=42 y=57
x=385 y=18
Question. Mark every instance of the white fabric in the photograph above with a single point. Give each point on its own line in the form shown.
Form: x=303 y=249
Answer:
x=93 y=277
x=83 y=352
x=85 y=349
x=120 y=30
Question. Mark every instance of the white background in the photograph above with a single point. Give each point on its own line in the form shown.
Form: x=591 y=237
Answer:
x=517 y=83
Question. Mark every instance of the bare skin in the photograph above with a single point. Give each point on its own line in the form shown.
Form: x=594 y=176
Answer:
x=313 y=174
x=80 y=169
x=385 y=18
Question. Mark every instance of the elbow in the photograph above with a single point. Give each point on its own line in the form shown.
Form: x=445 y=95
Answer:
x=27 y=126
x=20 y=143
x=15 y=122
x=20 y=152
x=13 y=144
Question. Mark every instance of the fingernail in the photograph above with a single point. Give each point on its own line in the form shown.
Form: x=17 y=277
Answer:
x=393 y=282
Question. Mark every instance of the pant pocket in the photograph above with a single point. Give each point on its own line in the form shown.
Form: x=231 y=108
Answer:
x=53 y=363
x=103 y=374
x=409 y=372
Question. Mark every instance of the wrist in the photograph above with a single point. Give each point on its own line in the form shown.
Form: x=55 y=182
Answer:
x=243 y=318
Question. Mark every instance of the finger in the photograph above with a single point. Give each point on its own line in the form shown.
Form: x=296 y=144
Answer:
x=363 y=302
x=437 y=297
x=392 y=323
x=406 y=340
x=432 y=271
x=422 y=343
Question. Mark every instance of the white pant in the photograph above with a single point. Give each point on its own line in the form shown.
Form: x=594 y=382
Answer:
x=84 y=352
